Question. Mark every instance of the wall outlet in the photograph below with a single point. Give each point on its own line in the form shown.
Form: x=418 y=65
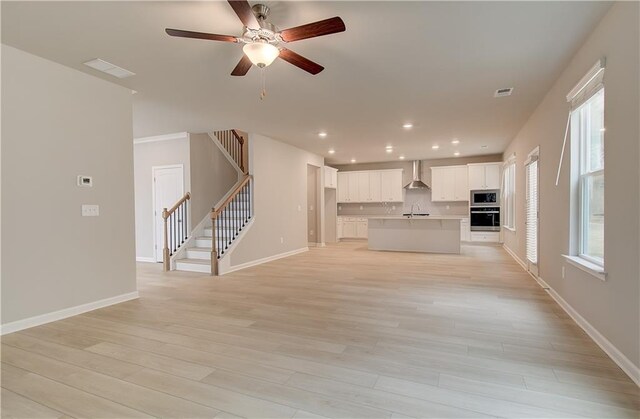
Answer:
x=90 y=210
x=448 y=206
x=311 y=232
x=281 y=240
x=563 y=272
x=340 y=207
x=310 y=207
x=361 y=207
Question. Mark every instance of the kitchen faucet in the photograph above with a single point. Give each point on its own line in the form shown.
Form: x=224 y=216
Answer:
x=412 y=205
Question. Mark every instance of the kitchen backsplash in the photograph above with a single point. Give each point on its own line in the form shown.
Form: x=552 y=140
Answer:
x=418 y=198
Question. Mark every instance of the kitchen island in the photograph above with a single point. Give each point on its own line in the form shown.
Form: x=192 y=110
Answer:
x=428 y=234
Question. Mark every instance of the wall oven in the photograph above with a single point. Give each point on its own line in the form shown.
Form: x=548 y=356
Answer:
x=486 y=198
x=485 y=219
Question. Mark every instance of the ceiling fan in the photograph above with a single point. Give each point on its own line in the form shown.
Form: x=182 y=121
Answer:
x=264 y=41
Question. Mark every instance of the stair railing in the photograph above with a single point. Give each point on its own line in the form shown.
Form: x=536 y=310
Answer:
x=234 y=144
x=176 y=229
x=229 y=219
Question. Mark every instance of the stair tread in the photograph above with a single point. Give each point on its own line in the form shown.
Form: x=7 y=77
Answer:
x=195 y=261
x=199 y=249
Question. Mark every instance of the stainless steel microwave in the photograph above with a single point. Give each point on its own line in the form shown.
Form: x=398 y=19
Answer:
x=485 y=198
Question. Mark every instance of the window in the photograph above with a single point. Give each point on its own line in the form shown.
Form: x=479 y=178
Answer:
x=509 y=194
x=531 y=196
x=588 y=130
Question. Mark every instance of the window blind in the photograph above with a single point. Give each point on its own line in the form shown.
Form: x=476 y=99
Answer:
x=532 y=209
x=588 y=85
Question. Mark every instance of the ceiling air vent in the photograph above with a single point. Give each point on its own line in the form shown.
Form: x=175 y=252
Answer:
x=112 y=69
x=503 y=92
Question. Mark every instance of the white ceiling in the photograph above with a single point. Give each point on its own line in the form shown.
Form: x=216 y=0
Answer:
x=435 y=64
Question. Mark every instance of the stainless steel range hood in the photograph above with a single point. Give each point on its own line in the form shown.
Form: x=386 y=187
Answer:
x=416 y=183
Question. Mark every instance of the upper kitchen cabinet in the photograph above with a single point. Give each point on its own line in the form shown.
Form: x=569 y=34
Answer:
x=449 y=183
x=484 y=176
x=370 y=186
x=330 y=177
x=391 y=181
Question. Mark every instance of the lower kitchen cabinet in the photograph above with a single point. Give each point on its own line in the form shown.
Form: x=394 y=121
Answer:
x=352 y=228
x=465 y=233
x=485 y=236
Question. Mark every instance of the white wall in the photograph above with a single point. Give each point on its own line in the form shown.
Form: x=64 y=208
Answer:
x=212 y=175
x=147 y=155
x=58 y=123
x=611 y=307
x=280 y=200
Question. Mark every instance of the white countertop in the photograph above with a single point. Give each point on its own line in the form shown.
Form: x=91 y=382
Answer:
x=404 y=217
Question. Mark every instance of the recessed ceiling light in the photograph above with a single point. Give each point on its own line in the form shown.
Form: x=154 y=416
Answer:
x=407 y=125
x=389 y=150
x=457 y=153
x=332 y=151
x=322 y=134
x=435 y=147
x=483 y=146
x=112 y=69
x=353 y=160
x=389 y=147
x=401 y=157
x=455 y=141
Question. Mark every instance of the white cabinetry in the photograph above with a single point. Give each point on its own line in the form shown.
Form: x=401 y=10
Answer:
x=330 y=177
x=465 y=233
x=449 y=183
x=352 y=227
x=370 y=186
x=391 y=190
x=484 y=176
x=485 y=236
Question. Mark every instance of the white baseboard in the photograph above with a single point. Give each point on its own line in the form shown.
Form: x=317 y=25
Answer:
x=64 y=313
x=632 y=370
x=515 y=257
x=618 y=357
x=264 y=260
x=145 y=259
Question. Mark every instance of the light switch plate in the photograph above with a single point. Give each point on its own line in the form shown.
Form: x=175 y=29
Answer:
x=90 y=210
x=86 y=181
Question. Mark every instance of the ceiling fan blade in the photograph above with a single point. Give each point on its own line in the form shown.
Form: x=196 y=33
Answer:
x=200 y=35
x=311 y=30
x=299 y=61
x=244 y=12
x=243 y=66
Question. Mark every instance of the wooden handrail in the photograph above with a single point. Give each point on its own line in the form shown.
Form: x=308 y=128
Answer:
x=238 y=136
x=179 y=231
x=216 y=212
x=167 y=212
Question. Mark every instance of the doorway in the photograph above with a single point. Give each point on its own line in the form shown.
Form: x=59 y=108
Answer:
x=167 y=189
x=532 y=211
x=313 y=205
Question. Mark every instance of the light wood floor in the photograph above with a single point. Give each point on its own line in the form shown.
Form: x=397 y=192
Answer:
x=336 y=332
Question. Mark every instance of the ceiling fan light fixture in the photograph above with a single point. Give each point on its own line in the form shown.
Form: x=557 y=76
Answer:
x=261 y=53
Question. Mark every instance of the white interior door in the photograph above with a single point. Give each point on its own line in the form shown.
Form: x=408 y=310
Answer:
x=532 y=218
x=168 y=188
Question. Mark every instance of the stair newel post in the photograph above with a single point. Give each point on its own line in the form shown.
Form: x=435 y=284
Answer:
x=165 y=250
x=214 y=251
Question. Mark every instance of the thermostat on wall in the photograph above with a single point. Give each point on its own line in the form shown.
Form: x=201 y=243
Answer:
x=85 y=181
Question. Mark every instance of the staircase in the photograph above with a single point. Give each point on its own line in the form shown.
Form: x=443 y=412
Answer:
x=212 y=239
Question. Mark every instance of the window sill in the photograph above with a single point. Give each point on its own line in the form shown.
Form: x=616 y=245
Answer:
x=586 y=266
x=511 y=229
